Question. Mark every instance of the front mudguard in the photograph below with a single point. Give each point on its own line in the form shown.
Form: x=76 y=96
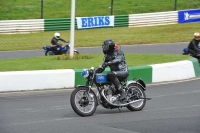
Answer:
x=88 y=89
x=79 y=86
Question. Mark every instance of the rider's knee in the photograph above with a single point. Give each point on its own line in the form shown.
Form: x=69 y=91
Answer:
x=111 y=75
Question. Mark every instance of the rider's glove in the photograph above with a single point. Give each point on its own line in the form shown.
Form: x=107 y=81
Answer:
x=100 y=69
x=105 y=64
x=109 y=63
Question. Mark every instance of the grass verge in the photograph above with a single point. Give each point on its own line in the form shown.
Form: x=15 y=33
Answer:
x=95 y=37
x=31 y=9
x=51 y=62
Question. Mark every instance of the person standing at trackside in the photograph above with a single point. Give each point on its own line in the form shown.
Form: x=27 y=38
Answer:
x=115 y=59
x=54 y=41
x=193 y=46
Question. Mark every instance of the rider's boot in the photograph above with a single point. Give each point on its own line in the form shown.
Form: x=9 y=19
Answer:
x=119 y=88
x=122 y=93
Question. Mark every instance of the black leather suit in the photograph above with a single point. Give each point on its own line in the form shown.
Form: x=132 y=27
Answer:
x=54 y=41
x=193 y=47
x=55 y=44
x=118 y=67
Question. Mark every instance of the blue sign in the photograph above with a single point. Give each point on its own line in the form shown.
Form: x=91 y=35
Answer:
x=187 y=16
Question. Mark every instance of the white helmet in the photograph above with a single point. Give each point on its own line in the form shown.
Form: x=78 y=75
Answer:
x=57 y=35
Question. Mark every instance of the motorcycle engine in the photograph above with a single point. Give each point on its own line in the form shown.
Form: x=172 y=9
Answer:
x=111 y=96
x=108 y=92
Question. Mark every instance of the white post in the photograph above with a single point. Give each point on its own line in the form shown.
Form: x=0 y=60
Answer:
x=72 y=28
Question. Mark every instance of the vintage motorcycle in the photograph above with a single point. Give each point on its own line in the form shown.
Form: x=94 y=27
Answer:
x=62 y=50
x=186 y=52
x=84 y=100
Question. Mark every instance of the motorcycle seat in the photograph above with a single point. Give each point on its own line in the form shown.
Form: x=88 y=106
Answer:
x=123 y=80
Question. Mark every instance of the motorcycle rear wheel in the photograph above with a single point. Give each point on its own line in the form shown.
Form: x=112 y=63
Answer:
x=136 y=92
x=82 y=103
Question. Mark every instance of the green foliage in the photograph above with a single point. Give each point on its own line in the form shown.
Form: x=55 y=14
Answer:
x=31 y=9
x=75 y=57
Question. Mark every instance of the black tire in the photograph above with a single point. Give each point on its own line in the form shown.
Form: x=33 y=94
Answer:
x=139 y=90
x=48 y=53
x=185 y=53
x=76 y=52
x=83 y=102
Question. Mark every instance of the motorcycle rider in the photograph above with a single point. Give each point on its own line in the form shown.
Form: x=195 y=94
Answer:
x=193 y=46
x=54 y=41
x=115 y=59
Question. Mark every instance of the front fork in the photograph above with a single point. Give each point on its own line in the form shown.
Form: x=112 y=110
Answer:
x=89 y=94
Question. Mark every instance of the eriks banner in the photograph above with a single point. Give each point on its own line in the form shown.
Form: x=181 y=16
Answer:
x=96 y=21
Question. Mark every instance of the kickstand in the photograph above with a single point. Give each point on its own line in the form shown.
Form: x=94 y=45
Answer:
x=148 y=98
x=119 y=110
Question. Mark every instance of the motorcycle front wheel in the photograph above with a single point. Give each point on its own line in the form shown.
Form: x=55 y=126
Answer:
x=49 y=53
x=137 y=94
x=75 y=52
x=84 y=103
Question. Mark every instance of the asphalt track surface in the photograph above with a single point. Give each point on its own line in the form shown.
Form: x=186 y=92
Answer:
x=174 y=108
x=173 y=48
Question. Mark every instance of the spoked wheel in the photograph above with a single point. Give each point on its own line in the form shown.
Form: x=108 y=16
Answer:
x=48 y=53
x=75 y=52
x=136 y=93
x=82 y=102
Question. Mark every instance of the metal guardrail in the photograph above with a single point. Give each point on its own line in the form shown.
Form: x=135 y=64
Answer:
x=131 y=20
x=21 y=26
x=57 y=24
x=121 y=20
x=152 y=19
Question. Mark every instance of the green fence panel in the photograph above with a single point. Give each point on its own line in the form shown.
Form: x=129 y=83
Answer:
x=196 y=66
x=65 y=23
x=143 y=72
x=79 y=80
x=121 y=20
x=57 y=24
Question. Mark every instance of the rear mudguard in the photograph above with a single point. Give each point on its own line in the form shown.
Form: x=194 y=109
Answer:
x=139 y=82
x=46 y=47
